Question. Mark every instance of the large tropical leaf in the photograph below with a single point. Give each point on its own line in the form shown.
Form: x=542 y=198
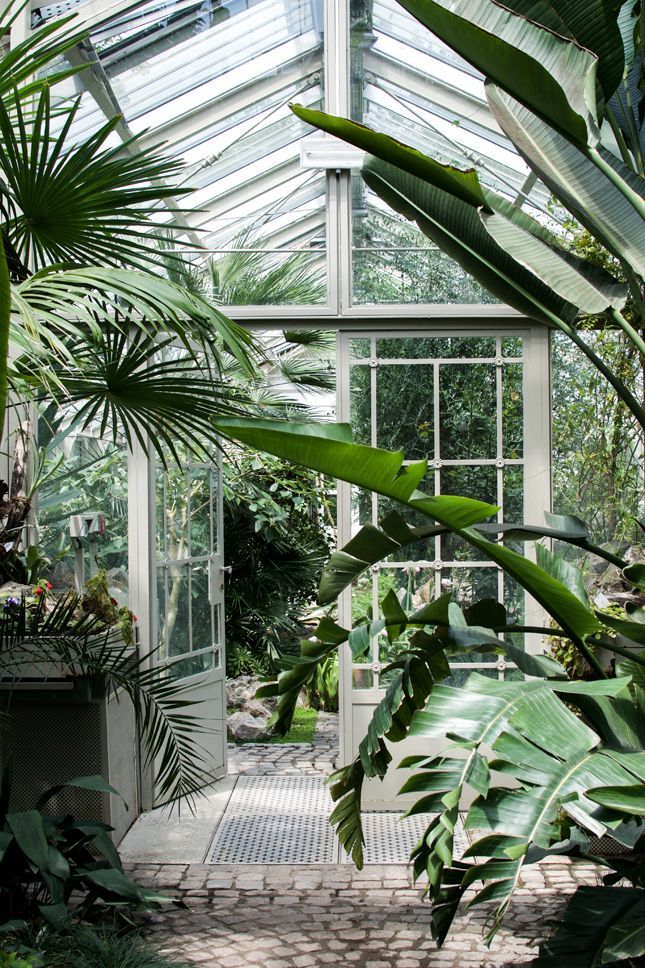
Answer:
x=602 y=193
x=328 y=448
x=552 y=756
x=86 y=206
x=556 y=76
x=591 y=289
x=601 y=925
x=592 y=24
x=456 y=227
x=372 y=544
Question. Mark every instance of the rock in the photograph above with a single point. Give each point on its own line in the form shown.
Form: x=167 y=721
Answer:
x=257 y=709
x=240 y=692
x=242 y=725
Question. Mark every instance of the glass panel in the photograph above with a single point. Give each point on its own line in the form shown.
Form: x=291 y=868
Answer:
x=177 y=511
x=405 y=409
x=514 y=494
x=512 y=411
x=479 y=482
x=161 y=612
x=215 y=507
x=200 y=511
x=407 y=83
x=468 y=585
x=161 y=545
x=435 y=347
x=363 y=597
x=361 y=507
x=174 y=623
x=215 y=81
x=192 y=666
x=360 y=404
x=201 y=608
x=393 y=262
x=92 y=476
x=512 y=346
x=468 y=406
x=360 y=349
x=414 y=586
x=362 y=679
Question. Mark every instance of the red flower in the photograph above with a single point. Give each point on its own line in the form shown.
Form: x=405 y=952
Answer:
x=38 y=590
x=113 y=601
x=49 y=586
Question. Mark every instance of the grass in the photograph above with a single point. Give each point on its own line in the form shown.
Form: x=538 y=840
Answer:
x=302 y=730
x=85 y=947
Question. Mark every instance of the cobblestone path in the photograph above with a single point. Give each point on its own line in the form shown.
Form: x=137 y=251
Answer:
x=279 y=916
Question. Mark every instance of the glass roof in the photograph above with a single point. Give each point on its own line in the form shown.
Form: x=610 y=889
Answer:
x=213 y=80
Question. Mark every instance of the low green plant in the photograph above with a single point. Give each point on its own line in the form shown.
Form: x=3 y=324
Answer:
x=57 y=869
x=14 y=959
x=322 y=687
x=303 y=728
x=241 y=661
x=87 y=946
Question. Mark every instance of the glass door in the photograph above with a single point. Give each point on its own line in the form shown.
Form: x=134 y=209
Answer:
x=190 y=597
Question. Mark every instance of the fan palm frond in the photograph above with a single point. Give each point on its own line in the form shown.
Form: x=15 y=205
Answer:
x=20 y=68
x=78 y=203
x=57 y=303
x=137 y=385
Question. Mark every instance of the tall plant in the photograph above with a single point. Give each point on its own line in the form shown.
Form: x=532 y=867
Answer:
x=88 y=326
x=562 y=83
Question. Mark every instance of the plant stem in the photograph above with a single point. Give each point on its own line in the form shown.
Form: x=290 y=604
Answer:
x=623 y=392
x=628 y=329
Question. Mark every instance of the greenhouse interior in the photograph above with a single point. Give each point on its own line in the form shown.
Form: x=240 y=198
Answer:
x=322 y=571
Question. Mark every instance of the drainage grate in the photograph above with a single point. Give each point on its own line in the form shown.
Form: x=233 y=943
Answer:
x=390 y=836
x=275 y=820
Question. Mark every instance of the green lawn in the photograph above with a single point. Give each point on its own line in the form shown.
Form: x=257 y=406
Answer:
x=302 y=728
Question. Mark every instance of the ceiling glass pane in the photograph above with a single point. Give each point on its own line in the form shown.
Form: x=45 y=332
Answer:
x=407 y=83
x=213 y=81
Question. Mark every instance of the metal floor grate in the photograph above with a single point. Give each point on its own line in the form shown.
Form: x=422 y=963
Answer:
x=275 y=820
x=285 y=820
x=390 y=836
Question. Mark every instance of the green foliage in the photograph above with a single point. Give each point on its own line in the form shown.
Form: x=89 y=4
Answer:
x=46 y=859
x=277 y=540
x=242 y=661
x=87 y=946
x=303 y=727
x=322 y=688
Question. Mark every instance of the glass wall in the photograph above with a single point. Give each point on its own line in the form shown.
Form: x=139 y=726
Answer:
x=457 y=402
x=188 y=548
x=213 y=81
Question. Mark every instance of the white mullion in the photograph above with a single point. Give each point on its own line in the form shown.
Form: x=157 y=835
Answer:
x=436 y=402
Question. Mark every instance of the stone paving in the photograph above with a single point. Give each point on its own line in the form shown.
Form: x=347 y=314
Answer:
x=286 y=917
x=278 y=916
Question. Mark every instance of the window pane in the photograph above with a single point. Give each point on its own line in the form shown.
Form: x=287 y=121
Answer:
x=201 y=608
x=200 y=510
x=468 y=404
x=174 y=622
x=405 y=409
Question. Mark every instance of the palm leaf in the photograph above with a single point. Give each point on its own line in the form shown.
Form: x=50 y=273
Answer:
x=5 y=326
x=601 y=925
x=602 y=193
x=21 y=65
x=131 y=385
x=60 y=302
x=90 y=205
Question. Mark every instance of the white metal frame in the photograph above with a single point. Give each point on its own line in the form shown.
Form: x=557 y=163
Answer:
x=536 y=462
